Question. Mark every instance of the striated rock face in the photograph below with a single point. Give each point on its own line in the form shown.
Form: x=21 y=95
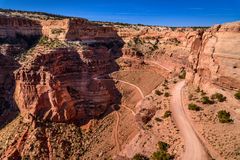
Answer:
x=62 y=85
x=17 y=35
x=12 y=27
x=211 y=56
x=215 y=57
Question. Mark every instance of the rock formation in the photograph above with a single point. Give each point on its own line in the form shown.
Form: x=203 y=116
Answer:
x=62 y=85
x=57 y=69
x=215 y=56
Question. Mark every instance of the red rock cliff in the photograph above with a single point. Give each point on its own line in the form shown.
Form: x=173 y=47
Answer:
x=215 y=57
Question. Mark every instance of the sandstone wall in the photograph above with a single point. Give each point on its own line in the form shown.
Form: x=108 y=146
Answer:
x=62 y=86
x=215 y=57
x=13 y=26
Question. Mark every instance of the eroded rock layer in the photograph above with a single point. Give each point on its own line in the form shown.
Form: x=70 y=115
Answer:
x=215 y=57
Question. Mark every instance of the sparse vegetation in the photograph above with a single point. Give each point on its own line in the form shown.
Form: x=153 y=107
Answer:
x=219 y=97
x=161 y=153
x=167 y=114
x=166 y=94
x=157 y=92
x=206 y=100
x=224 y=116
x=198 y=89
x=158 y=119
x=182 y=74
x=237 y=95
x=190 y=97
x=57 y=31
x=137 y=40
x=203 y=93
x=163 y=146
x=51 y=43
x=139 y=156
x=194 y=107
x=174 y=41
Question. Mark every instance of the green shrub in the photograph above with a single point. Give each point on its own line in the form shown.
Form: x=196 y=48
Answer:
x=206 y=100
x=166 y=94
x=161 y=153
x=167 y=114
x=194 y=107
x=224 y=116
x=139 y=156
x=163 y=146
x=182 y=74
x=219 y=97
x=237 y=95
x=157 y=92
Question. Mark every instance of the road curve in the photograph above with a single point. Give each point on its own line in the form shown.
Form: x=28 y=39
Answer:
x=194 y=150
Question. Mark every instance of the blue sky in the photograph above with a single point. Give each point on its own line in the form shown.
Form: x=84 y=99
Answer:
x=151 y=12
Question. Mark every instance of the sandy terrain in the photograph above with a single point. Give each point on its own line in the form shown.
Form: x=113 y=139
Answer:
x=221 y=140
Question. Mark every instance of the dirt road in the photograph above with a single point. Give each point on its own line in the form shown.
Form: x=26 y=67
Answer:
x=194 y=150
x=115 y=131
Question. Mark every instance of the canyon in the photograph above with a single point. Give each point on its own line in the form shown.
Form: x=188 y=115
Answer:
x=75 y=89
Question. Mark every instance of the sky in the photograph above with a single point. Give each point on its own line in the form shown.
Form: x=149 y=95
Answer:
x=149 y=12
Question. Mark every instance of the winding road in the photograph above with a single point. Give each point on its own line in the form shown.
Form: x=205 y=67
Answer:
x=115 y=131
x=194 y=150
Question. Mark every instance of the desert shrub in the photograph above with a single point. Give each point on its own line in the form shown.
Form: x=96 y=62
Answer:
x=190 y=97
x=139 y=156
x=57 y=31
x=237 y=95
x=166 y=94
x=224 y=116
x=174 y=41
x=163 y=146
x=137 y=40
x=182 y=74
x=51 y=43
x=206 y=100
x=194 y=107
x=157 y=92
x=219 y=97
x=161 y=153
x=198 y=89
x=158 y=119
x=203 y=93
x=167 y=114
x=166 y=87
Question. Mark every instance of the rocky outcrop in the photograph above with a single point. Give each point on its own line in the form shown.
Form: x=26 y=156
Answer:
x=12 y=27
x=62 y=85
x=215 y=57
